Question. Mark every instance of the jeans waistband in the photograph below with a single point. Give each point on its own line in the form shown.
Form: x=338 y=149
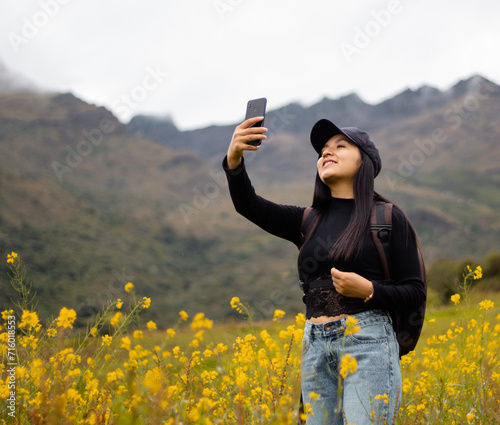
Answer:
x=364 y=318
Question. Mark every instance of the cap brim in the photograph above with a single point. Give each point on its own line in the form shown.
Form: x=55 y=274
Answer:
x=323 y=131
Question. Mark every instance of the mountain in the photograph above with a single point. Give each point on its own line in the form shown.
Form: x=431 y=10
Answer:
x=346 y=111
x=89 y=203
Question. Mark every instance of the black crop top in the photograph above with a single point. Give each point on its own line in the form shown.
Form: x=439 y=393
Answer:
x=406 y=289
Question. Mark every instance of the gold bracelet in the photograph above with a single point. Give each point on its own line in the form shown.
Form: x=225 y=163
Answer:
x=369 y=297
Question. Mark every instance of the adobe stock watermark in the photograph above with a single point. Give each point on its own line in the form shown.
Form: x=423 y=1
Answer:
x=217 y=180
x=424 y=148
x=48 y=10
x=129 y=102
x=264 y=309
x=222 y=7
x=203 y=197
x=373 y=28
x=94 y=137
x=74 y=156
x=10 y=380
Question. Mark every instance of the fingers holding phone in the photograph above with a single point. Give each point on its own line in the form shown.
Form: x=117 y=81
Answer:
x=252 y=131
x=243 y=137
x=249 y=134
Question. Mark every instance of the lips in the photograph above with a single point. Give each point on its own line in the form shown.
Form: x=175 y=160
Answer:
x=328 y=162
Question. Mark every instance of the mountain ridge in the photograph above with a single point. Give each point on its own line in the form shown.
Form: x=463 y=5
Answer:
x=348 y=110
x=160 y=216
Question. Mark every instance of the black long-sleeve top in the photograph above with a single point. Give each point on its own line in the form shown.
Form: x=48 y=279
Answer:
x=406 y=288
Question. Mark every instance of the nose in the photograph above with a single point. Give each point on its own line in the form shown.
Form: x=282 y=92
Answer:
x=327 y=153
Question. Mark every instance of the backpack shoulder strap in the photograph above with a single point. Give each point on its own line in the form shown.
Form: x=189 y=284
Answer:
x=306 y=213
x=381 y=228
x=407 y=323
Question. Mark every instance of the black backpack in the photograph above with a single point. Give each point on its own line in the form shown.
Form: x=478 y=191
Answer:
x=407 y=323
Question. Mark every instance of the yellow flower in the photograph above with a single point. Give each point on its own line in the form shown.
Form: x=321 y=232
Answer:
x=478 y=273
x=384 y=397
x=29 y=319
x=7 y=313
x=314 y=396
x=177 y=351
x=486 y=305
x=129 y=286
x=106 y=340
x=455 y=299
x=126 y=343
x=154 y=380
x=20 y=372
x=300 y=319
x=241 y=378
x=278 y=314
x=66 y=318
x=115 y=320
x=138 y=334
x=151 y=325
x=11 y=257
x=184 y=315
x=201 y=322
x=194 y=415
x=221 y=348
x=351 y=327
x=266 y=411
x=348 y=364
x=119 y=304
x=235 y=301
x=73 y=396
x=146 y=302
x=171 y=333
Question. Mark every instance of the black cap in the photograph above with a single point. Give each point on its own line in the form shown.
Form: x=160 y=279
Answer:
x=324 y=130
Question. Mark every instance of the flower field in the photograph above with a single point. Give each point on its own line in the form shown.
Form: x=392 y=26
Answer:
x=123 y=371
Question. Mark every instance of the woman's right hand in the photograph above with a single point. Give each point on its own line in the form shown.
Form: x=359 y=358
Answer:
x=241 y=136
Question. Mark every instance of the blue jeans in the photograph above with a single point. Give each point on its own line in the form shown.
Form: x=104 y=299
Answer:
x=354 y=400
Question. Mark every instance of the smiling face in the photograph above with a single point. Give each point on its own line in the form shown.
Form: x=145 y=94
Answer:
x=339 y=162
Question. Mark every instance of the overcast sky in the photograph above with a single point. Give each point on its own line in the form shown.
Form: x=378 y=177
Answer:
x=199 y=61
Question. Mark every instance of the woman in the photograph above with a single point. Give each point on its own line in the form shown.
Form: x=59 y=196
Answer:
x=342 y=272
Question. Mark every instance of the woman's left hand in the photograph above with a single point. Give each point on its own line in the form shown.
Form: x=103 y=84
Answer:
x=351 y=284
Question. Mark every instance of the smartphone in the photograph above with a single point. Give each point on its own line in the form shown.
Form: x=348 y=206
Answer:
x=256 y=108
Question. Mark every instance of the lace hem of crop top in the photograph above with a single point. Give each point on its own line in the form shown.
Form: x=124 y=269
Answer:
x=328 y=302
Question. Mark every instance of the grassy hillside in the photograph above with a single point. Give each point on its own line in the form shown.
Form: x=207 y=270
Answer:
x=92 y=206
x=130 y=210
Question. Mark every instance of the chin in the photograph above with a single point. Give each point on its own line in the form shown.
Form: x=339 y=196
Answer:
x=327 y=175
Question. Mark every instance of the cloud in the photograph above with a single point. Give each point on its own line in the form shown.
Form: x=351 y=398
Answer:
x=220 y=53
